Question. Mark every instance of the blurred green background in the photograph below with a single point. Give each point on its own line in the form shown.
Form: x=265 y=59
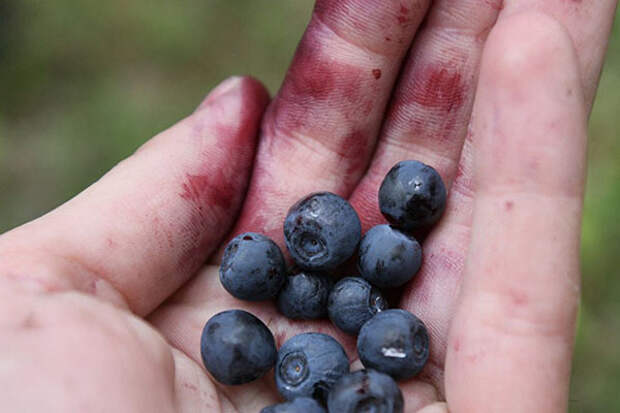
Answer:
x=83 y=84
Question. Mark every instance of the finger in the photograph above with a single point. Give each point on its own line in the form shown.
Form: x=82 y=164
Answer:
x=182 y=318
x=151 y=222
x=511 y=340
x=321 y=128
x=431 y=106
x=428 y=121
x=589 y=24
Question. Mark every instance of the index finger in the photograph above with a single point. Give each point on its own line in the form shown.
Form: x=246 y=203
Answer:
x=149 y=224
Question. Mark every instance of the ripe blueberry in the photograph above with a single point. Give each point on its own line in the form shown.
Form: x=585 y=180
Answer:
x=252 y=268
x=298 y=405
x=365 y=391
x=394 y=342
x=412 y=195
x=388 y=257
x=304 y=296
x=352 y=302
x=237 y=347
x=308 y=366
x=322 y=231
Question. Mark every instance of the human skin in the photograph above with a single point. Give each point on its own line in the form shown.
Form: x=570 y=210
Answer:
x=102 y=301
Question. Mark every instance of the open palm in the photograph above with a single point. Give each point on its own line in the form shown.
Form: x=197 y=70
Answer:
x=103 y=300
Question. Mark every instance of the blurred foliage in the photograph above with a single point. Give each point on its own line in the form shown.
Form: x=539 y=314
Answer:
x=83 y=84
x=596 y=370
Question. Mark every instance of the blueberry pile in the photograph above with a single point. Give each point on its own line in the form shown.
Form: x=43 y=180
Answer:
x=322 y=233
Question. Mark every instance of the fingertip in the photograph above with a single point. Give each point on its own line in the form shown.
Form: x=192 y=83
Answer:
x=226 y=86
x=530 y=116
x=232 y=112
x=247 y=89
x=527 y=46
x=254 y=90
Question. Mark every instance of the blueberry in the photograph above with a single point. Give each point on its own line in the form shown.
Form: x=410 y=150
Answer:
x=365 y=391
x=412 y=195
x=388 y=257
x=237 y=347
x=322 y=231
x=304 y=296
x=352 y=302
x=394 y=342
x=252 y=268
x=308 y=366
x=298 y=405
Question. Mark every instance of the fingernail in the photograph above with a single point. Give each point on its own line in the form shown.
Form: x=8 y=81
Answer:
x=222 y=89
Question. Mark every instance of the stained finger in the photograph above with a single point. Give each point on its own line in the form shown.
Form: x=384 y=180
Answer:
x=320 y=130
x=431 y=107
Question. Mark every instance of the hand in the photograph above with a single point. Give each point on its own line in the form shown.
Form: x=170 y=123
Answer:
x=89 y=292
